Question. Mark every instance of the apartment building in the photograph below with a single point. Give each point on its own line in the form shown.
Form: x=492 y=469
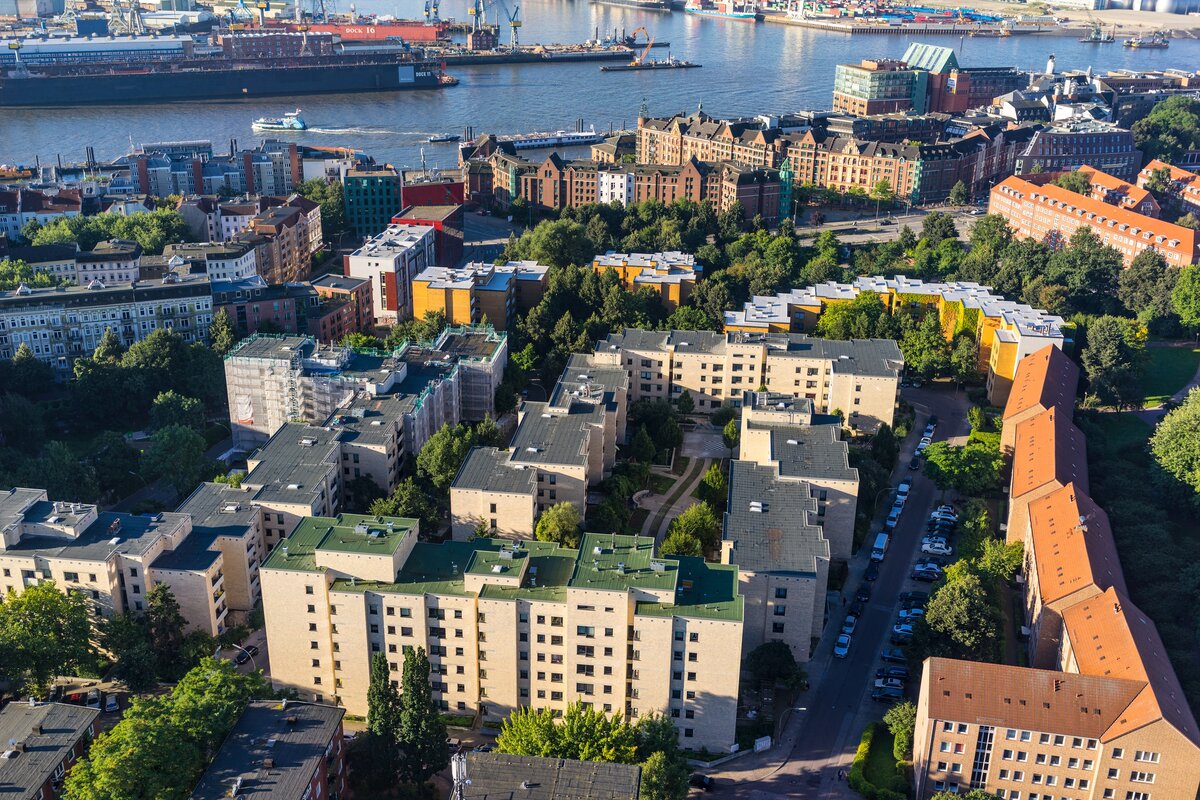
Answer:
x=1182 y=188
x=447 y=223
x=1006 y=331
x=671 y=274
x=772 y=536
x=19 y=207
x=279 y=751
x=390 y=261
x=859 y=378
x=372 y=198
x=296 y=474
x=114 y=261
x=507 y=624
x=112 y=559
x=228 y=525
x=43 y=742
x=478 y=291
x=1116 y=192
x=61 y=324
x=1052 y=212
x=1044 y=380
x=345 y=307
x=1049 y=453
x=222 y=261
x=58 y=260
x=1017 y=732
x=674 y=141
x=290 y=233
x=492 y=775
x=1070 y=144
x=877 y=86
x=559 y=449
x=781 y=431
x=252 y=305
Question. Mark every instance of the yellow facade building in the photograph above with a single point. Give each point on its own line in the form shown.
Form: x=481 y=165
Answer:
x=672 y=274
x=469 y=295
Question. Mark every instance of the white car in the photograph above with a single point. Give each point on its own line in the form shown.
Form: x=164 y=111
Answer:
x=929 y=431
x=903 y=489
x=889 y=683
x=949 y=510
x=937 y=549
x=848 y=625
x=926 y=440
x=909 y=614
x=841 y=648
x=902 y=629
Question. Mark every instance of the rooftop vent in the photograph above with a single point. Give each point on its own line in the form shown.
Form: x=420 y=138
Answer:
x=658 y=566
x=497 y=568
x=307 y=441
x=597 y=550
x=793 y=441
x=293 y=486
x=360 y=528
x=506 y=555
x=232 y=508
x=268 y=762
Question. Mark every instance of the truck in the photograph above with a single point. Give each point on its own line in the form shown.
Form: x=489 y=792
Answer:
x=879 y=549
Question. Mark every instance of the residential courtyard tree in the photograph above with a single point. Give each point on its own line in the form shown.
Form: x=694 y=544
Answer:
x=560 y=523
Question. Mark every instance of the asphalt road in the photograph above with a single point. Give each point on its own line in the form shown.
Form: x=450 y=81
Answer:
x=822 y=734
x=868 y=230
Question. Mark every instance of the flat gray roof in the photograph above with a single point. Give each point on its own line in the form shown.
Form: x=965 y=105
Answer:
x=272 y=347
x=22 y=777
x=14 y=504
x=488 y=469
x=111 y=533
x=585 y=380
x=811 y=452
x=295 y=738
x=773 y=536
x=499 y=776
x=554 y=436
x=297 y=455
x=876 y=357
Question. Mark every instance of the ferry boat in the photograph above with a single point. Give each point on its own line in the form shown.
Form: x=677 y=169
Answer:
x=1157 y=41
x=291 y=121
x=745 y=10
x=535 y=141
x=443 y=137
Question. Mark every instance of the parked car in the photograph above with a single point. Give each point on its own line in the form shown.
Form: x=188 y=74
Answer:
x=872 y=572
x=937 y=549
x=484 y=748
x=908 y=596
x=849 y=624
x=930 y=562
x=906 y=605
x=246 y=654
x=926 y=575
x=893 y=655
x=901 y=639
x=889 y=683
x=915 y=464
x=941 y=526
x=929 y=431
x=863 y=594
x=857 y=607
x=947 y=508
x=903 y=628
x=909 y=614
x=927 y=440
x=841 y=648
x=887 y=695
x=933 y=420
x=892 y=672
x=111 y=704
x=921 y=448
x=903 y=488
x=941 y=516
x=93 y=699
x=702 y=782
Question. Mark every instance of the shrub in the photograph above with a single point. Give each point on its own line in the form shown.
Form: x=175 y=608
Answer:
x=898 y=790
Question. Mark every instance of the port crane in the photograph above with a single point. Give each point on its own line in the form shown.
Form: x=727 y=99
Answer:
x=478 y=14
x=638 y=59
x=431 y=12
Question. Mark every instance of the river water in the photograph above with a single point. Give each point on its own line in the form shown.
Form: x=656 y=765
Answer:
x=747 y=69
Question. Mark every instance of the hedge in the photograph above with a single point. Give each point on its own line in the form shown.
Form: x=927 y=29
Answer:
x=858 y=781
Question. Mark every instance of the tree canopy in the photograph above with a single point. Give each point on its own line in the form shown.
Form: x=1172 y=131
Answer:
x=1171 y=129
x=1175 y=444
x=1114 y=359
x=44 y=633
x=153 y=230
x=699 y=522
x=560 y=523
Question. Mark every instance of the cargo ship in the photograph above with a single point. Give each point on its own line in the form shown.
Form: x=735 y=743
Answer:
x=644 y=5
x=38 y=71
x=369 y=30
x=723 y=9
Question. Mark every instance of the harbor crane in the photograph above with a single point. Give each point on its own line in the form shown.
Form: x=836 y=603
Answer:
x=431 y=12
x=478 y=14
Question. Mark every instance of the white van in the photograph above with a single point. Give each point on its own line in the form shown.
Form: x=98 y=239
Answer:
x=879 y=550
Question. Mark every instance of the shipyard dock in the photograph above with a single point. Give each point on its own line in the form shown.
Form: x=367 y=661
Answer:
x=537 y=54
x=863 y=26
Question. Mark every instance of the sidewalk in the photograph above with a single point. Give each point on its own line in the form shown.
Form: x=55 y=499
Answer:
x=660 y=517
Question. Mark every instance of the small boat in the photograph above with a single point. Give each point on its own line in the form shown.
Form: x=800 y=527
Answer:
x=1157 y=41
x=291 y=121
x=1097 y=36
x=443 y=137
x=670 y=62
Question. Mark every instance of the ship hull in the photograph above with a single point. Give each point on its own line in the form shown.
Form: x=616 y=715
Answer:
x=187 y=85
x=641 y=67
x=744 y=16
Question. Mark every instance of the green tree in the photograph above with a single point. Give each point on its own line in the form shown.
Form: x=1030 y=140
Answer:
x=126 y=639
x=962 y=621
x=936 y=226
x=408 y=499
x=964 y=359
x=421 y=732
x=882 y=192
x=690 y=318
x=714 y=486
x=165 y=629
x=153 y=230
x=925 y=349
x=14 y=272
x=1190 y=221
x=1114 y=360
x=1185 y=297
x=22 y=425
x=663 y=778
x=221 y=333
x=583 y=734
x=44 y=633
x=684 y=403
x=972 y=469
x=1171 y=129
x=171 y=408
x=1175 y=444
x=901 y=721
x=1088 y=270
x=959 y=195
x=700 y=522
x=30 y=375
x=858 y=319
x=642 y=448
x=680 y=543
x=329 y=196
x=772 y=663
x=1145 y=288
x=557 y=243
x=1000 y=561
x=441 y=456
x=176 y=457
x=361 y=341
x=560 y=523
x=730 y=434
x=1076 y=181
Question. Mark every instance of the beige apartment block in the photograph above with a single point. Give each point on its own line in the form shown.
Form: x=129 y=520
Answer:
x=1028 y=734
x=772 y=535
x=1044 y=380
x=1048 y=453
x=113 y=559
x=781 y=431
x=489 y=492
x=293 y=476
x=227 y=520
x=507 y=624
x=859 y=378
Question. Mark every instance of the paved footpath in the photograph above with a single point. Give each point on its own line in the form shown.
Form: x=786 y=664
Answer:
x=656 y=524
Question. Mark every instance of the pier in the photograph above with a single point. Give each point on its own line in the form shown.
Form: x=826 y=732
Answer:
x=883 y=29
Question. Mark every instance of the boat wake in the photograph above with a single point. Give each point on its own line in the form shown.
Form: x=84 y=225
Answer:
x=367 y=131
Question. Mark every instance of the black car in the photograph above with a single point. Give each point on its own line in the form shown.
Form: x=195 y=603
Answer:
x=887 y=695
x=699 y=781
x=892 y=672
x=863 y=594
x=246 y=654
x=932 y=419
x=915 y=464
x=908 y=605
x=926 y=575
x=856 y=608
x=901 y=639
x=893 y=655
x=872 y=572
x=907 y=596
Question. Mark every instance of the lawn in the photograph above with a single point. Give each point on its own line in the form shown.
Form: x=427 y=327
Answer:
x=1122 y=430
x=880 y=768
x=1168 y=369
x=661 y=484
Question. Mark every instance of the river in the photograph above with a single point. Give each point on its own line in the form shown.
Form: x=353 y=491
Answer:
x=747 y=69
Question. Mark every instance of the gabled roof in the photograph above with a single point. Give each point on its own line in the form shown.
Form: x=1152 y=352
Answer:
x=1073 y=545
x=930 y=57
x=1045 y=379
x=1048 y=449
x=1111 y=637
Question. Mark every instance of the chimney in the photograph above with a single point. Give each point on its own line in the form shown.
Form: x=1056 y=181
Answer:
x=268 y=763
x=37 y=729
